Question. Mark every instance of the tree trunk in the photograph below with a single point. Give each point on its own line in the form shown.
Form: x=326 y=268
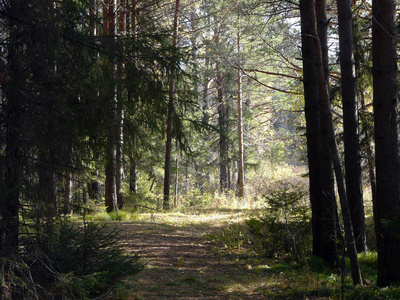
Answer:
x=133 y=175
x=12 y=163
x=241 y=191
x=119 y=137
x=329 y=208
x=167 y=167
x=350 y=123
x=110 y=172
x=112 y=136
x=323 y=215
x=386 y=111
x=325 y=107
x=176 y=182
x=47 y=185
x=9 y=227
x=223 y=138
x=67 y=205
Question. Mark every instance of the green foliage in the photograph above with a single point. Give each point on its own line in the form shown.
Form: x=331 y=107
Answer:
x=231 y=237
x=284 y=229
x=85 y=262
x=16 y=279
x=196 y=199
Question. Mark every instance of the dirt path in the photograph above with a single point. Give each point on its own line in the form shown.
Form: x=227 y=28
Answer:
x=181 y=263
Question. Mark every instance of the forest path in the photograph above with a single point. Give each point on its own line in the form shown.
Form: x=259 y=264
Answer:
x=182 y=262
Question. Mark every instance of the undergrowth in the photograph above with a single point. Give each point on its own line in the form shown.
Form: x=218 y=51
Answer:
x=84 y=262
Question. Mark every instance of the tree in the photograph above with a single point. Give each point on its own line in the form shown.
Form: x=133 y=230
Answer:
x=241 y=186
x=12 y=168
x=385 y=102
x=323 y=212
x=171 y=95
x=350 y=123
x=109 y=93
x=325 y=106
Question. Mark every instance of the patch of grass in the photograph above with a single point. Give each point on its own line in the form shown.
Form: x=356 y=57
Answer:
x=239 y=269
x=99 y=217
x=231 y=237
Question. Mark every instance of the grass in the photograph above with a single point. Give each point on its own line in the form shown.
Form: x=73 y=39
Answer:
x=220 y=260
x=203 y=249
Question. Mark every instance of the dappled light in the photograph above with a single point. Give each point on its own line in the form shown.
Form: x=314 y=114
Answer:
x=199 y=149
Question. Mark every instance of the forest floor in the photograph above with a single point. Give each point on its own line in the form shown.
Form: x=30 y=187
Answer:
x=190 y=256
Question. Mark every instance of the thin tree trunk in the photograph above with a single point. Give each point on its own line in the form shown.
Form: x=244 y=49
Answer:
x=110 y=172
x=329 y=207
x=133 y=159
x=325 y=106
x=119 y=109
x=241 y=191
x=9 y=234
x=167 y=167
x=176 y=182
x=67 y=205
x=110 y=169
x=133 y=175
x=223 y=139
x=323 y=222
x=350 y=123
x=386 y=117
x=12 y=162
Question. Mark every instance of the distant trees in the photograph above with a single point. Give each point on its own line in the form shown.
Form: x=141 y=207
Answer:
x=93 y=91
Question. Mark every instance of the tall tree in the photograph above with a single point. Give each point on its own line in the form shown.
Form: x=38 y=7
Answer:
x=325 y=106
x=110 y=98
x=11 y=174
x=171 y=95
x=350 y=123
x=241 y=191
x=323 y=214
x=327 y=177
x=386 y=117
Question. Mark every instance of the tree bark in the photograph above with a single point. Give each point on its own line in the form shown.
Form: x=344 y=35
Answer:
x=323 y=216
x=9 y=226
x=167 y=166
x=133 y=175
x=223 y=138
x=328 y=207
x=110 y=172
x=326 y=108
x=386 y=111
x=12 y=163
x=176 y=182
x=241 y=190
x=350 y=124
x=111 y=151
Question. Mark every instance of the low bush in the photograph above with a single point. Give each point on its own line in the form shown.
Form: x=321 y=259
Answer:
x=84 y=262
x=284 y=229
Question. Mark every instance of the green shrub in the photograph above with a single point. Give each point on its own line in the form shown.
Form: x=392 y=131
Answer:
x=231 y=237
x=85 y=262
x=284 y=229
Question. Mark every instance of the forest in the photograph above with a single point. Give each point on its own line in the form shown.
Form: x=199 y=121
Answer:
x=199 y=149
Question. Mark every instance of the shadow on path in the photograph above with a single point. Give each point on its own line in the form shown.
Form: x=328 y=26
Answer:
x=182 y=264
